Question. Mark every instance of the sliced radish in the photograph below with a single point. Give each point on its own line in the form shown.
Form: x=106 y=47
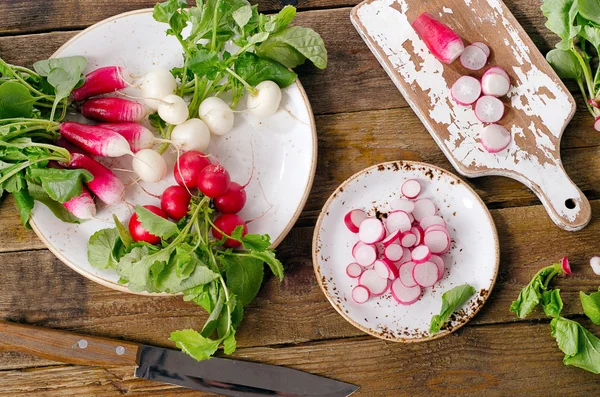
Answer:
x=353 y=219
x=356 y=246
x=411 y=188
x=382 y=269
x=597 y=124
x=424 y=208
x=398 y=220
x=494 y=138
x=417 y=231
x=466 y=90
x=393 y=269
x=473 y=58
x=393 y=252
x=391 y=238
x=408 y=239
x=494 y=84
x=440 y=264
x=437 y=241
x=405 y=295
x=403 y=205
x=371 y=231
x=411 y=217
x=489 y=109
x=354 y=270
x=425 y=274
x=442 y=41
x=484 y=47
x=406 y=257
x=373 y=282
x=498 y=70
x=360 y=294
x=421 y=254
x=405 y=274
x=432 y=220
x=437 y=227
x=365 y=255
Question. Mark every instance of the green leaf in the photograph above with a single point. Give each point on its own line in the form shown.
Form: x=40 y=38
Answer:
x=211 y=322
x=565 y=64
x=269 y=258
x=244 y=276
x=451 y=300
x=39 y=194
x=552 y=303
x=229 y=343
x=205 y=63
x=124 y=234
x=194 y=344
x=136 y=267
x=69 y=64
x=173 y=13
x=590 y=10
x=560 y=14
x=242 y=15
x=530 y=296
x=304 y=40
x=591 y=306
x=254 y=70
x=61 y=184
x=155 y=224
x=172 y=280
x=581 y=347
x=258 y=38
x=15 y=101
x=280 y=20
x=101 y=248
x=256 y=242
x=566 y=333
x=24 y=205
x=591 y=34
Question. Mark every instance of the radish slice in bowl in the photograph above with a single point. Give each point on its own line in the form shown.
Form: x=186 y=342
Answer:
x=405 y=295
x=424 y=208
x=373 y=282
x=398 y=220
x=360 y=294
x=393 y=252
x=421 y=254
x=365 y=255
x=391 y=238
x=466 y=90
x=411 y=188
x=354 y=270
x=385 y=269
x=353 y=219
x=403 y=205
x=473 y=58
x=417 y=231
x=405 y=274
x=437 y=241
x=425 y=274
x=432 y=220
x=408 y=239
x=495 y=138
x=371 y=231
x=440 y=264
x=489 y=109
x=484 y=47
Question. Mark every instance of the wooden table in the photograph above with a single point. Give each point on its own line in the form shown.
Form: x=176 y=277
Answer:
x=362 y=120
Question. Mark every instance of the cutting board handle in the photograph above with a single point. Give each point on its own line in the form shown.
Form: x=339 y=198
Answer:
x=66 y=347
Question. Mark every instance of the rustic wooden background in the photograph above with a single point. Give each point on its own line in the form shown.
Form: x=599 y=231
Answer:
x=362 y=120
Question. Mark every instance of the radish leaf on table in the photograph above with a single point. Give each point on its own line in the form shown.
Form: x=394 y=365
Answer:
x=552 y=302
x=591 y=306
x=451 y=300
x=581 y=347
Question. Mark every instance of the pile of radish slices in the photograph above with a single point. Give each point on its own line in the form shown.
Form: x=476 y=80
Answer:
x=403 y=253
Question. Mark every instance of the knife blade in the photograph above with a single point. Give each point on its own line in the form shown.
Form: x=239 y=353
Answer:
x=218 y=375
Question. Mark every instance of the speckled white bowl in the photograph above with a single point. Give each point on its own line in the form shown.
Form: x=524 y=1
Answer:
x=285 y=146
x=473 y=257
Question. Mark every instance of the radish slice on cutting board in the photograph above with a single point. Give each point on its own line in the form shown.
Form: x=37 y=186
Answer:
x=489 y=109
x=494 y=138
x=495 y=82
x=353 y=219
x=354 y=270
x=371 y=231
x=360 y=294
x=373 y=282
x=473 y=58
x=411 y=188
x=484 y=47
x=466 y=90
x=425 y=274
x=405 y=295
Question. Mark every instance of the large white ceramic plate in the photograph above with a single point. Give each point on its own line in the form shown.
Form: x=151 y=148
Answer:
x=473 y=257
x=284 y=144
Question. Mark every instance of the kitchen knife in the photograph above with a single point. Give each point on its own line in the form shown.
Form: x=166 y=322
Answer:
x=217 y=375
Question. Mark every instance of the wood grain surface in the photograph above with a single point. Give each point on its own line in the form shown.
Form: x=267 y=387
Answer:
x=362 y=120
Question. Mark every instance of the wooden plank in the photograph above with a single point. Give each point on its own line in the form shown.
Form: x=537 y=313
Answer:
x=518 y=359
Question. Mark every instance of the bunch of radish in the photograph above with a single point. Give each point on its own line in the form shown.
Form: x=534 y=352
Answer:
x=447 y=46
x=403 y=253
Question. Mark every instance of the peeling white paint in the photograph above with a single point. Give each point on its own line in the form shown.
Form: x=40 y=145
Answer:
x=447 y=10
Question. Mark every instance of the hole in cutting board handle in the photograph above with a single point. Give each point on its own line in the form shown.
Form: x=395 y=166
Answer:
x=570 y=204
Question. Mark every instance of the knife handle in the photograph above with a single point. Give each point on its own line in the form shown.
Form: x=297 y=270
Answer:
x=66 y=347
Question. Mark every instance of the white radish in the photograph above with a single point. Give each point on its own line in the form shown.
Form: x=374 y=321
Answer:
x=217 y=115
x=405 y=274
x=420 y=254
x=365 y=255
x=405 y=295
x=437 y=241
x=403 y=205
x=484 y=47
x=408 y=239
x=265 y=101
x=173 y=109
x=495 y=138
x=489 y=109
x=360 y=294
x=398 y=220
x=466 y=90
x=371 y=231
x=354 y=270
x=425 y=274
x=473 y=58
x=192 y=134
x=353 y=219
x=494 y=84
x=156 y=85
x=373 y=282
x=432 y=220
x=411 y=188
x=393 y=252
x=391 y=238
x=424 y=208
x=595 y=264
x=440 y=264
x=149 y=165
x=417 y=231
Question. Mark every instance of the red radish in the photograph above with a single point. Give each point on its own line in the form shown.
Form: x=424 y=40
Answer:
x=383 y=270
x=597 y=124
x=489 y=109
x=466 y=90
x=420 y=254
x=498 y=70
x=436 y=241
x=227 y=223
x=354 y=270
x=392 y=268
x=114 y=110
x=105 y=185
x=391 y=238
x=405 y=274
x=96 y=140
x=495 y=138
x=494 y=83
x=82 y=206
x=424 y=208
x=405 y=295
x=138 y=232
x=441 y=265
x=360 y=294
x=403 y=205
x=364 y=254
x=214 y=180
x=233 y=201
x=175 y=202
x=138 y=136
x=371 y=231
x=473 y=58
x=432 y=220
x=411 y=188
x=484 y=47
x=398 y=220
x=188 y=167
x=102 y=81
x=417 y=231
x=375 y=284
x=353 y=219
x=425 y=274
x=442 y=41
x=408 y=239
x=393 y=252
x=566 y=267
